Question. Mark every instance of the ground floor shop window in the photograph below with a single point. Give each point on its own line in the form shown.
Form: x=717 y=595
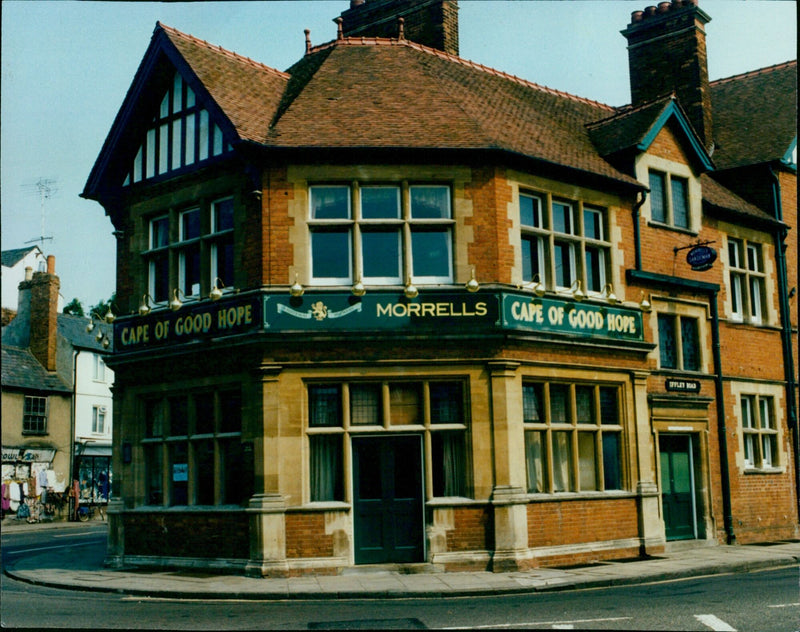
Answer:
x=193 y=450
x=94 y=475
x=573 y=437
x=436 y=410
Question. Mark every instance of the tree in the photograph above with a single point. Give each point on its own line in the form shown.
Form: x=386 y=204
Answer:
x=74 y=307
x=103 y=306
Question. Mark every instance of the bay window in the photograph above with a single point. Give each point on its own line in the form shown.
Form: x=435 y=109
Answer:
x=432 y=408
x=573 y=437
x=380 y=234
x=563 y=242
x=193 y=449
x=200 y=246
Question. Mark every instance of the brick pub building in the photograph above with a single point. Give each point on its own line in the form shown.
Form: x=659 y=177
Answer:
x=392 y=306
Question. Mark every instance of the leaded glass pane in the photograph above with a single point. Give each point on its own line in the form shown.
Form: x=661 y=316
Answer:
x=680 y=202
x=365 y=404
x=666 y=342
x=532 y=403
x=691 y=344
x=325 y=407
x=658 y=200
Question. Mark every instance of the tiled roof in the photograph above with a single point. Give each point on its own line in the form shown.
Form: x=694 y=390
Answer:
x=73 y=329
x=12 y=257
x=21 y=370
x=628 y=127
x=388 y=93
x=755 y=115
x=724 y=199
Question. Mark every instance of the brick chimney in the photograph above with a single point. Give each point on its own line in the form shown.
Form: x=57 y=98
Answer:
x=44 y=288
x=433 y=23
x=667 y=53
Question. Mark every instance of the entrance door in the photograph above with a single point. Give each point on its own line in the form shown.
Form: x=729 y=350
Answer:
x=677 y=486
x=387 y=499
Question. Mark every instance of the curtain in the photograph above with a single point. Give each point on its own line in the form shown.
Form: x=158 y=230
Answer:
x=326 y=467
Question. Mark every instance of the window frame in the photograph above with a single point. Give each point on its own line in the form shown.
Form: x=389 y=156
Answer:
x=161 y=447
x=570 y=437
x=746 y=277
x=574 y=243
x=163 y=260
x=669 y=180
x=425 y=426
x=678 y=342
x=35 y=414
x=356 y=227
x=99 y=420
x=757 y=431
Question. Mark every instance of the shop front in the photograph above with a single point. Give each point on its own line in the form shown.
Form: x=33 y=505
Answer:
x=286 y=434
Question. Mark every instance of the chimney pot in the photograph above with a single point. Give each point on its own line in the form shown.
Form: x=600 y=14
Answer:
x=308 y=40
x=663 y=7
x=649 y=11
x=51 y=264
x=401 y=28
x=28 y=273
x=339 y=34
x=356 y=3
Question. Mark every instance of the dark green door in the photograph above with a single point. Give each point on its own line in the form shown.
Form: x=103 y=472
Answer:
x=677 y=486
x=387 y=499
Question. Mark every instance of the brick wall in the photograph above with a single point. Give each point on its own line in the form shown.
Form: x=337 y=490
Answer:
x=44 y=313
x=577 y=522
x=306 y=537
x=473 y=529
x=205 y=535
x=490 y=252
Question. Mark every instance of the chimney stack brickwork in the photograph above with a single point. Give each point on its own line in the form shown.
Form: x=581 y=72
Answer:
x=44 y=288
x=432 y=23
x=667 y=53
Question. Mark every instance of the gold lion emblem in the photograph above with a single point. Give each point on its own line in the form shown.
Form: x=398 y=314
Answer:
x=319 y=310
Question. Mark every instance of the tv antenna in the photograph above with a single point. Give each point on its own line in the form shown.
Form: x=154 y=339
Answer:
x=45 y=188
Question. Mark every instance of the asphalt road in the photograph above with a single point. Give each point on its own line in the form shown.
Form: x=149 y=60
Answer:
x=759 y=602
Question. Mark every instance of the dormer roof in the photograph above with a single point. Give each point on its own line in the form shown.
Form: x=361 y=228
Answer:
x=635 y=129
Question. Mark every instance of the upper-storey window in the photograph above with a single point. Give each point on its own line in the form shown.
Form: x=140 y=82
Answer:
x=747 y=280
x=204 y=240
x=678 y=342
x=381 y=234
x=563 y=242
x=669 y=199
x=759 y=432
x=34 y=415
x=179 y=135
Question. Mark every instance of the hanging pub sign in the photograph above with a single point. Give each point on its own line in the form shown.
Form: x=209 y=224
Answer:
x=701 y=258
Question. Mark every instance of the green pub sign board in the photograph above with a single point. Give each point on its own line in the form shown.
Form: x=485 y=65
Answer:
x=379 y=311
x=525 y=313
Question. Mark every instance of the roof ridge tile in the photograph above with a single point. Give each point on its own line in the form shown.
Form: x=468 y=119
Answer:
x=755 y=73
x=219 y=49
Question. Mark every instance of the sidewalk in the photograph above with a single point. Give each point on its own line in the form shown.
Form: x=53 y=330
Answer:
x=74 y=568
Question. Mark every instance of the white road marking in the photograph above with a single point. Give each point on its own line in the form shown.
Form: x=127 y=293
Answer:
x=715 y=623
x=46 y=548
x=557 y=625
x=785 y=605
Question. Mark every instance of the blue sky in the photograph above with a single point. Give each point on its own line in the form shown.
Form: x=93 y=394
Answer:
x=66 y=67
